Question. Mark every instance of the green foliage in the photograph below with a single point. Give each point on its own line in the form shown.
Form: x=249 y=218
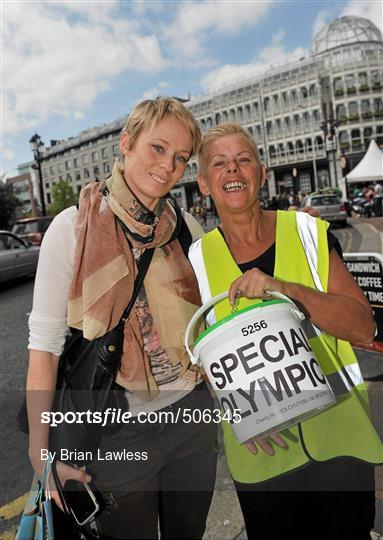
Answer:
x=8 y=204
x=63 y=197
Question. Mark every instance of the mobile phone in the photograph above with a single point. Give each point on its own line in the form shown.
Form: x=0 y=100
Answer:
x=80 y=500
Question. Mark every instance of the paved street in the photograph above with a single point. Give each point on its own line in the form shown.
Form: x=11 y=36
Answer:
x=225 y=521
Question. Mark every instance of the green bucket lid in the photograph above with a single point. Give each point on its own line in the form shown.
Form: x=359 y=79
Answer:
x=236 y=314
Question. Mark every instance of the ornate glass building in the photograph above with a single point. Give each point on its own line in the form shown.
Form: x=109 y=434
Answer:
x=304 y=115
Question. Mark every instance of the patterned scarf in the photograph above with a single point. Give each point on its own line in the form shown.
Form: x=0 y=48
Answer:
x=105 y=271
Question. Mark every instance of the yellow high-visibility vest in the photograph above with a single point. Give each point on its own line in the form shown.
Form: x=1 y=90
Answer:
x=345 y=429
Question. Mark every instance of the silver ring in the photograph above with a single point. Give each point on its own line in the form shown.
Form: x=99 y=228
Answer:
x=239 y=293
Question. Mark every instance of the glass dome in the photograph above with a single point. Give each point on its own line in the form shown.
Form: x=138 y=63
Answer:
x=345 y=30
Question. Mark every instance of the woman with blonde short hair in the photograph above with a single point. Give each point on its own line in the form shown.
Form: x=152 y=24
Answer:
x=315 y=480
x=85 y=279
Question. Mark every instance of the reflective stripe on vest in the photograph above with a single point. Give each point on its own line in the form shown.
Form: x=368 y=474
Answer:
x=344 y=429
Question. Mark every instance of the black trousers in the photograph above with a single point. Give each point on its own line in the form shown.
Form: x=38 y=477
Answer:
x=172 y=489
x=308 y=505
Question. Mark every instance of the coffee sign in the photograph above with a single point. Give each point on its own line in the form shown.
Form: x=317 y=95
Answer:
x=367 y=270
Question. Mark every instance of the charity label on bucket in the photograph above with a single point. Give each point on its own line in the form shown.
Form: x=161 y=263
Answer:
x=261 y=366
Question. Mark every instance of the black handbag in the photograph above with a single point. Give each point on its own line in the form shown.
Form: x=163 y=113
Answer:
x=86 y=382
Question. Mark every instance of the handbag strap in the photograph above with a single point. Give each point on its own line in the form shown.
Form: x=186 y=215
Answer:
x=143 y=265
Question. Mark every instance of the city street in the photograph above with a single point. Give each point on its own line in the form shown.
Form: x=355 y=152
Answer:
x=225 y=520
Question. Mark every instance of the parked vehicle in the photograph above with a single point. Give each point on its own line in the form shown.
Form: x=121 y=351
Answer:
x=17 y=258
x=32 y=229
x=330 y=207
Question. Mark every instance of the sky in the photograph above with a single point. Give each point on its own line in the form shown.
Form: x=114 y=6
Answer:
x=70 y=65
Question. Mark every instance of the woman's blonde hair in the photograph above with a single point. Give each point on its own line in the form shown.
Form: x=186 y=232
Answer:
x=222 y=130
x=149 y=113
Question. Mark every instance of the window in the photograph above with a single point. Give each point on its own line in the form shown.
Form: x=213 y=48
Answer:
x=353 y=110
x=52 y=170
x=272 y=151
x=305 y=182
x=67 y=165
x=60 y=167
x=94 y=156
x=104 y=153
x=362 y=79
x=341 y=113
x=115 y=150
x=45 y=172
x=49 y=200
x=299 y=146
x=294 y=96
x=77 y=175
x=69 y=177
x=378 y=106
x=47 y=185
x=85 y=159
x=86 y=173
x=76 y=163
x=313 y=90
x=106 y=167
x=344 y=142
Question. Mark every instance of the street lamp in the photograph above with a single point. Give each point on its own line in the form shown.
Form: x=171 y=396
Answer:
x=36 y=146
x=329 y=129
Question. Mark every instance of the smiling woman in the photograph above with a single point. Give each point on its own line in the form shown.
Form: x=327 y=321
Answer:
x=230 y=168
x=86 y=278
x=325 y=465
x=156 y=160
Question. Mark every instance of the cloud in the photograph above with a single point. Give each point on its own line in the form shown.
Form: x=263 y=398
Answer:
x=154 y=92
x=269 y=55
x=194 y=22
x=9 y=154
x=60 y=56
x=372 y=10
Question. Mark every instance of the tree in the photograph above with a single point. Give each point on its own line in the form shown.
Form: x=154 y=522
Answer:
x=63 y=197
x=8 y=204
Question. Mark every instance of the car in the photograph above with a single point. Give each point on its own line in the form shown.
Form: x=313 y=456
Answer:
x=17 y=258
x=329 y=206
x=32 y=229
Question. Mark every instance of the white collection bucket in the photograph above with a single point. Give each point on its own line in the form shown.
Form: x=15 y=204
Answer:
x=261 y=366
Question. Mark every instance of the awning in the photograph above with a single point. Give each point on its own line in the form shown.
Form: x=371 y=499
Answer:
x=369 y=168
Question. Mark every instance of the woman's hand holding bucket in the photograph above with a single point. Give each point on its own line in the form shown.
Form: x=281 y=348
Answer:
x=254 y=284
x=264 y=444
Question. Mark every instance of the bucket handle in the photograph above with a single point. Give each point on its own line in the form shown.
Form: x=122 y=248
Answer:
x=216 y=299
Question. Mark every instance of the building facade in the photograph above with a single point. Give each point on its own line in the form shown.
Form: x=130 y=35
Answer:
x=82 y=159
x=336 y=88
x=306 y=116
